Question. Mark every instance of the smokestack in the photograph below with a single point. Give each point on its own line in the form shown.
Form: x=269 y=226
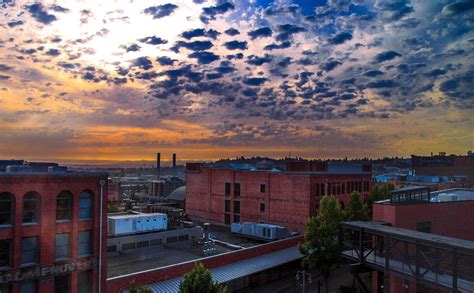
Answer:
x=174 y=161
x=158 y=165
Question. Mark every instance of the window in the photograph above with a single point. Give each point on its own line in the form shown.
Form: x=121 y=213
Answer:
x=262 y=188
x=5 y=289
x=227 y=206
x=6 y=208
x=236 y=207
x=236 y=189
x=173 y=239
x=323 y=189
x=29 y=250
x=62 y=284
x=62 y=246
x=85 y=205
x=262 y=207
x=227 y=188
x=236 y=218
x=183 y=237
x=31 y=208
x=266 y=232
x=227 y=219
x=5 y=253
x=143 y=244
x=63 y=206
x=84 y=245
x=84 y=282
x=155 y=242
x=329 y=188
x=112 y=248
x=28 y=287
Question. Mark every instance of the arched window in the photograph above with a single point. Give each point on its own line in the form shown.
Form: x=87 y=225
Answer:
x=31 y=202
x=63 y=206
x=85 y=205
x=6 y=208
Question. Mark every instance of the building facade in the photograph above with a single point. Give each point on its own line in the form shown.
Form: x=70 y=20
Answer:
x=50 y=232
x=447 y=213
x=243 y=193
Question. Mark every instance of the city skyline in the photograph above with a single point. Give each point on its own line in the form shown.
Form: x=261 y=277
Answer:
x=116 y=81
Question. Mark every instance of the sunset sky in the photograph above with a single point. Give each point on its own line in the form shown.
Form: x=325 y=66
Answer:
x=122 y=80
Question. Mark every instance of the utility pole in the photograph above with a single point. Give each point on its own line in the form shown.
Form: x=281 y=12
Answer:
x=303 y=274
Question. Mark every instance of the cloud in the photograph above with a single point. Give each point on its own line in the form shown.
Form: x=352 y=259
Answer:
x=458 y=7
x=232 y=32
x=15 y=23
x=210 y=13
x=386 y=56
x=204 y=57
x=143 y=63
x=53 y=52
x=165 y=60
x=38 y=12
x=200 y=33
x=340 y=38
x=273 y=46
x=4 y=67
x=193 y=46
x=395 y=9
x=383 y=83
x=256 y=60
x=287 y=30
x=153 y=40
x=161 y=11
x=255 y=81
x=330 y=65
x=236 y=45
x=262 y=32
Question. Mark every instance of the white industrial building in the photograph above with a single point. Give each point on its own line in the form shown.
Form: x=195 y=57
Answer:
x=123 y=224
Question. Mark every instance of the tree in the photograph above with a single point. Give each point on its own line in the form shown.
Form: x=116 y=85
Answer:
x=355 y=209
x=321 y=249
x=199 y=280
x=138 y=288
x=111 y=208
x=377 y=194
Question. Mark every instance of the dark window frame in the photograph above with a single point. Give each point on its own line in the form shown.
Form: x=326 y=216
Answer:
x=66 y=287
x=81 y=244
x=68 y=247
x=7 y=208
x=6 y=252
x=236 y=188
x=227 y=188
x=237 y=207
x=262 y=207
x=86 y=195
x=35 y=198
x=25 y=252
x=66 y=211
x=262 y=188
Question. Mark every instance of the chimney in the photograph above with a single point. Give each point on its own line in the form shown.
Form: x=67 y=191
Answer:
x=158 y=165
x=174 y=161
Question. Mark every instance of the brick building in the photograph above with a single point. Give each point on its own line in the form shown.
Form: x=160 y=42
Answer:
x=461 y=167
x=247 y=192
x=447 y=213
x=50 y=231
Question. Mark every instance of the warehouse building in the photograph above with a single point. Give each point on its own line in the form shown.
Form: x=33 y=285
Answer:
x=264 y=193
x=50 y=232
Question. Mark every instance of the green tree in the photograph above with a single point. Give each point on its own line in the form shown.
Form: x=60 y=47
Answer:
x=111 y=208
x=199 y=280
x=321 y=249
x=355 y=209
x=138 y=288
x=378 y=193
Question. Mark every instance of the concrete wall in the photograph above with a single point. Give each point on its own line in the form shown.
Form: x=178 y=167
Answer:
x=49 y=186
x=116 y=284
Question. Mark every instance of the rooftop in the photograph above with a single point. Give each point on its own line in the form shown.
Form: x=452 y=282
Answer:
x=133 y=216
x=417 y=194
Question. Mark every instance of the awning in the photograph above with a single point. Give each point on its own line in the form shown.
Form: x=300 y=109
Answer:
x=238 y=269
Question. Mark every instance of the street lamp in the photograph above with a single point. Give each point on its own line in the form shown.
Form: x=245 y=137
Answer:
x=303 y=275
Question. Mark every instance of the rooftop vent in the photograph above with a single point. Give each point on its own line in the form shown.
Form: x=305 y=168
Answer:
x=57 y=169
x=19 y=169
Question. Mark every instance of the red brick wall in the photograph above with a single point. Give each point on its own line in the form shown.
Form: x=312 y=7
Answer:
x=289 y=198
x=117 y=284
x=48 y=187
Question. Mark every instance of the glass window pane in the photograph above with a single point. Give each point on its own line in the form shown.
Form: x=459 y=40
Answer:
x=6 y=208
x=85 y=205
x=84 y=246
x=28 y=287
x=62 y=246
x=5 y=253
x=84 y=282
x=30 y=208
x=29 y=250
x=63 y=206
x=61 y=284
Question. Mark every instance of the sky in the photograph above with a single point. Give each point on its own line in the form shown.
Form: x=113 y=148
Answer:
x=122 y=80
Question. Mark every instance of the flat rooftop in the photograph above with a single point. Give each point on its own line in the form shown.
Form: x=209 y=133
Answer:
x=455 y=194
x=141 y=259
x=420 y=194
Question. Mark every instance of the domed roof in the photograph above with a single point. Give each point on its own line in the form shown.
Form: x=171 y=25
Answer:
x=178 y=194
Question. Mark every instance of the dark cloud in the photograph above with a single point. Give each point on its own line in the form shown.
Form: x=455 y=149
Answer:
x=383 y=83
x=395 y=9
x=236 y=45
x=161 y=10
x=210 y=13
x=372 y=73
x=133 y=48
x=330 y=65
x=260 y=33
x=235 y=56
x=256 y=60
x=255 y=81
x=4 y=67
x=386 y=56
x=435 y=72
x=204 y=57
x=143 y=63
x=15 y=23
x=232 y=32
x=38 y=12
x=153 y=40
x=340 y=38
x=53 y=52
x=67 y=65
x=193 y=46
x=287 y=30
x=458 y=7
x=58 y=8
x=200 y=33
x=4 y=77
x=273 y=46
x=165 y=61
